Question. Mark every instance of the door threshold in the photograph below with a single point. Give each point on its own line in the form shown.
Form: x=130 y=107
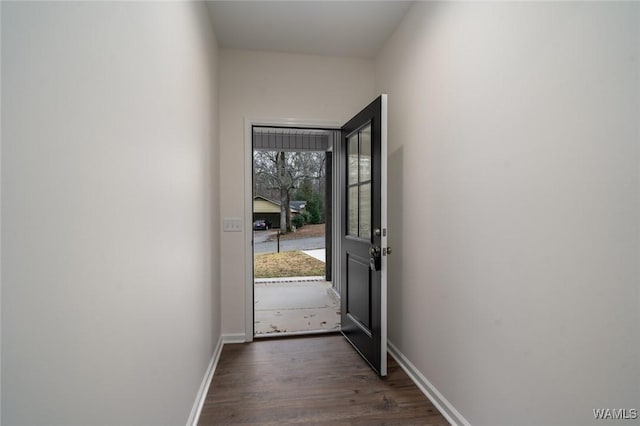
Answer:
x=295 y=333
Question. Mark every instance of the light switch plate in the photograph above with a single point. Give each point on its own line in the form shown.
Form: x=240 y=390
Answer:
x=232 y=224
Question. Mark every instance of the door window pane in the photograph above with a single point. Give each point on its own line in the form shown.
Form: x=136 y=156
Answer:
x=352 y=160
x=364 y=206
x=352 y=205
x=365 y=154
x=359 y=175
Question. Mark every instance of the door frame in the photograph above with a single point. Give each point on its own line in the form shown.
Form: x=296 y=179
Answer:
x=249 y=122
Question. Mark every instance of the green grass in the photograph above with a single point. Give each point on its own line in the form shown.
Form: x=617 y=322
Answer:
x=287 y=264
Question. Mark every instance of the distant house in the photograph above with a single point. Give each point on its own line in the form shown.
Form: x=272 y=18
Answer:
x=269 y=210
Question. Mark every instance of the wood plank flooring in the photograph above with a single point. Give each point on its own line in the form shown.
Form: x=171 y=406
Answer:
x=317 y=380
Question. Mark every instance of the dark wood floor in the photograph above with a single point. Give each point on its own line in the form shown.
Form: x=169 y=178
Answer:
x=317 y=380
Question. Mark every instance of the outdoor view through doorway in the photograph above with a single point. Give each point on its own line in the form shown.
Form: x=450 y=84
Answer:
x=293 y=292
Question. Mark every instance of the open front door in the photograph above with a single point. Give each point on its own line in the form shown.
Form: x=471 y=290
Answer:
x=364 y=233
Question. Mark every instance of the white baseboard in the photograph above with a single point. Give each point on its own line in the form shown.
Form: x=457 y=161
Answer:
x=452 y=415
x=194 y=416
x=234 y=338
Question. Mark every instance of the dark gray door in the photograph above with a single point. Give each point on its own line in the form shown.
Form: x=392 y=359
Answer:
x=364 y=233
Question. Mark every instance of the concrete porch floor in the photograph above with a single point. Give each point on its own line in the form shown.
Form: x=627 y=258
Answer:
x=289 y=306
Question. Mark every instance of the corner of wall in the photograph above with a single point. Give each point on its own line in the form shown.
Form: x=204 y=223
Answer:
x=201 y=396
x=445 y=407
x=1 y=213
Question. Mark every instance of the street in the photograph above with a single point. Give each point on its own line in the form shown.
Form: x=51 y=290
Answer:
x=262 y=246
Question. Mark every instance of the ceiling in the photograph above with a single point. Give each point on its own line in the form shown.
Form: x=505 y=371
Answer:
x=336 y=28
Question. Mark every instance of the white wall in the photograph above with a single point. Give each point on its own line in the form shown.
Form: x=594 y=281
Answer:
x=0 y=218
x=110 y=270
x=514 y=218
x=273 y=85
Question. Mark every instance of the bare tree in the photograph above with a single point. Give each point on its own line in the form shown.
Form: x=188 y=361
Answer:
x=277 y=173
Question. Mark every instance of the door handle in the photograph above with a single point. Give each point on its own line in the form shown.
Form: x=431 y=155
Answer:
x=374 y=258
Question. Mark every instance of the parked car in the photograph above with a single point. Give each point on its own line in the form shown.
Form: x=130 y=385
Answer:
x=261 y=225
